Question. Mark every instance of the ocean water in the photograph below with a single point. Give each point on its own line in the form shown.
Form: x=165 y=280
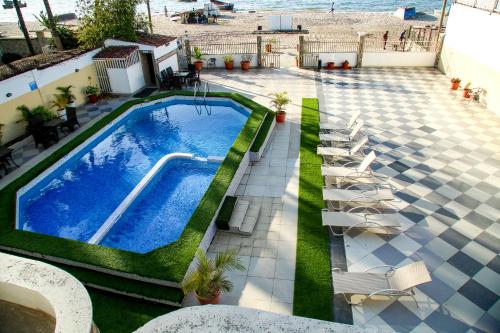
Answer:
x=66 y=6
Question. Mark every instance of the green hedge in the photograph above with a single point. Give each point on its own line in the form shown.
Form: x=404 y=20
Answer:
x=263 y=131
x=166 y=263
x=313 y=283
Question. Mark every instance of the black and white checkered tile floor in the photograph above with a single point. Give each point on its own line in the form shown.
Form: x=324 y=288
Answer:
x=443 y=155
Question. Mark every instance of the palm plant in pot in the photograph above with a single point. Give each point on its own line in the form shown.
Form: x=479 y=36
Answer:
x=199 y=58
x=60 y=102
x=208 y=280
x=278 y=102
x=229 y=62
x=66 y=93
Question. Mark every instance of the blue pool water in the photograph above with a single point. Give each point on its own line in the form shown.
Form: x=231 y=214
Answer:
x=75 y=199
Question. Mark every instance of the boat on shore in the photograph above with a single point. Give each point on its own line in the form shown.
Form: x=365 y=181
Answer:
x=223 y=5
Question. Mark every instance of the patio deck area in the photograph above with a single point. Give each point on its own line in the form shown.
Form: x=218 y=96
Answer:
x=443 y=155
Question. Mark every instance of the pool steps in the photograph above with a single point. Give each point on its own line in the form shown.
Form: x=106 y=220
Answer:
x=244 y=217
x=129 y=199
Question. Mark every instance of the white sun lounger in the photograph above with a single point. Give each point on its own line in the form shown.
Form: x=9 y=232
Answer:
x=362 y=170
x=366 y=196
x=340 y=124
x=395 y=282
x=362 y=220
x=342 y=137
x=340 y=152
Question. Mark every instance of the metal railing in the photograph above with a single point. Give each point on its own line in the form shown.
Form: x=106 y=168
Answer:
x=489 y=5
x=226 y=48
x=330 y=46
x=377 y=45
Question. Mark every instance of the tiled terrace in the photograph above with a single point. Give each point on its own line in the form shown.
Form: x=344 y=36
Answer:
x=443 y=155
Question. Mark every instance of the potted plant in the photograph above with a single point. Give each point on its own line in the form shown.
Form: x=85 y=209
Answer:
x=208 y=280
x=345 y=65
x=330 y=65
x=245 y=61
x=40 y=111
x=278 y=102
x=92 y=92
x=229 y=62
x=455 y=83
x=466 y=93
x=199 y=58
x=60 y=102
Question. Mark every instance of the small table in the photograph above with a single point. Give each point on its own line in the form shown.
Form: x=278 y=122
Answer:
x=182 y=76
x=53 y=125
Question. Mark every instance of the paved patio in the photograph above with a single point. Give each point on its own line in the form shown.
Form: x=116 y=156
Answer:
x=443 y=155
x=269 y=254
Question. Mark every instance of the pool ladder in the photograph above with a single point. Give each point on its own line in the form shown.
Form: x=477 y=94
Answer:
x=208 y=108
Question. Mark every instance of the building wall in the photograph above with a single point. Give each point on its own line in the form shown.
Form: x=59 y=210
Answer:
x=18 y=45
x=398 y=59
x=135 y=77
x=47 y=81
x=471 y=51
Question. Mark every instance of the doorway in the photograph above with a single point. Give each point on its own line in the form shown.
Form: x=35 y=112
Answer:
x=148 y=69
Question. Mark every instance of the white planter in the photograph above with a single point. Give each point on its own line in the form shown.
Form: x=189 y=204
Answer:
x=62 y=114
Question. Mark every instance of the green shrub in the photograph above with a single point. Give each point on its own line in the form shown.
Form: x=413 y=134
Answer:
x=225 y=213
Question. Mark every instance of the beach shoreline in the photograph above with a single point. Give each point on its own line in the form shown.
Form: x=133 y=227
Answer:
x=243 y=24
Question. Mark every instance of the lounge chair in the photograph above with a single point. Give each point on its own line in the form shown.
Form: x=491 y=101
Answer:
x=370 y=194
x=338 y=136
x=340 y=124
x=395 y=282
x=346 y=151
x=345 y=173
x=362 y=218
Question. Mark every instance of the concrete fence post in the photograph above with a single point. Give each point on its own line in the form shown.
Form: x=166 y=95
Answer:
x=187 y=45
x=259 y=51
x=301 y=51
x=495 y=5
x=361 y=48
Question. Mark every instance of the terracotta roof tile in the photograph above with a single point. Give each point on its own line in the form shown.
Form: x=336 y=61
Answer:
x=154 y=40
x=116 y=52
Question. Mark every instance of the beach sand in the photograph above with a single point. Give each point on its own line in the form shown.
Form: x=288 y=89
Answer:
x=240 y=25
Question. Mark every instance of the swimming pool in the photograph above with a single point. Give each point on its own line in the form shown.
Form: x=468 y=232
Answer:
x=75 y=197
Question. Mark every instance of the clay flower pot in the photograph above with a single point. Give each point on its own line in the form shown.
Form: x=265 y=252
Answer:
x=92 y=99
x=455 y=85
x=245 y=65
x=330 y=65
x=345 y=65
x=205 y=301
x=466 y=93
x=229 y=65
x=280 y=117
x=198 y=65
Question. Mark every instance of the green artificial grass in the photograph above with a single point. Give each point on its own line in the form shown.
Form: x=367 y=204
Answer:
x=313 y=283
x=165 y=263
x=263 y=131
x=118 y=314
x=225 y=213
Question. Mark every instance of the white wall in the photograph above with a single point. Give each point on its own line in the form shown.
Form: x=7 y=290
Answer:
x=19 y=84
x=169 y=62
x=398 y=59
x=118 y=78
x=162 y=50
x=474 y=33
x=338 y=58
x=471 y=51
x=135 y=77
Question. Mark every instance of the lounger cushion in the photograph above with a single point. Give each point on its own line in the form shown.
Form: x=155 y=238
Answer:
x=358 y=282
x=334 y=194
x=345 y=219
x=409 y=276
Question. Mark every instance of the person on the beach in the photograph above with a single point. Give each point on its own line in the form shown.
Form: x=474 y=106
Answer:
x=333 y=7
x=386 y=37
x=402 y=39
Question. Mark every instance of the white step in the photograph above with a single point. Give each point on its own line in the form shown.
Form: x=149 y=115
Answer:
x=239 y=212
x=250 y=219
